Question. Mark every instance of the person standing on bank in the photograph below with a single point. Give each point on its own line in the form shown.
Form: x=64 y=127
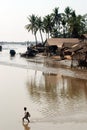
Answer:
x=26 y=115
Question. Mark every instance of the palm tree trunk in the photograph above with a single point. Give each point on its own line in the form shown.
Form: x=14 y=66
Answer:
x=48 y=35
x=41 y=36
x=36 y=39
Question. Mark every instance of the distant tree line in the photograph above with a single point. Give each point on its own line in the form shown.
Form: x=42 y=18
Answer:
x=58 y=25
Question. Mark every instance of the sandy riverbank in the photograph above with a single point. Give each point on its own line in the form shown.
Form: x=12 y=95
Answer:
x=49 y=65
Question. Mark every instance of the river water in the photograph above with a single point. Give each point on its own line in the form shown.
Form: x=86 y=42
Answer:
x=53 y=98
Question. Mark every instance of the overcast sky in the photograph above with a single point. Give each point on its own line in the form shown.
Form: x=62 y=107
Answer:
x=14 y=13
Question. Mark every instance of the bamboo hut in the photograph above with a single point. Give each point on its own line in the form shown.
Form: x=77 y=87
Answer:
x=60 y=43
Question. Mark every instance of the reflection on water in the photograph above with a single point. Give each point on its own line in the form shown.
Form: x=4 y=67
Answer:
x=58 y=94
x=26 y=126
x=59 y=97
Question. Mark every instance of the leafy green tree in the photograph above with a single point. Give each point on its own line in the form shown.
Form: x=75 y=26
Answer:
x=54 y=33
x=77 y=25
x=56 y=24
x=83 y=23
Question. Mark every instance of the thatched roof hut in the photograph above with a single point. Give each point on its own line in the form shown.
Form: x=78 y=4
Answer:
x=59 y=42
x=78 y=46
x=79 y=56
x=79 y=52
x=84 y=36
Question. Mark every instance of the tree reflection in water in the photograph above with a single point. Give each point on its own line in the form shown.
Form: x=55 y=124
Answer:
x=57 y=93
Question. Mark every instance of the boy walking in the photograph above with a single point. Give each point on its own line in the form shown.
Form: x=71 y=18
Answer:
x=26 y=115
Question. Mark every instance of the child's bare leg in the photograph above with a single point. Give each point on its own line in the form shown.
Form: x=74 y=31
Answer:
x=28 y=120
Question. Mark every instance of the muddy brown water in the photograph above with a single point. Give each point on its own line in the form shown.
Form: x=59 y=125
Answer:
x=53 y=96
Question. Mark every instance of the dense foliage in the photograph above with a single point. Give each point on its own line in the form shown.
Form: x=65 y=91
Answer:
x=66 y=24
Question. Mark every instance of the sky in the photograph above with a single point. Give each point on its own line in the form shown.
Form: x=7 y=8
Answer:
x=14 y=13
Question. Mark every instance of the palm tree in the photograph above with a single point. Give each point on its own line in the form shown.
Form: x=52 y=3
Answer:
x=32 y=26
x=40 y=27
x=56 y=19
x=68 y=14
x=56 y=16
x=64 y=27
x=77 y=25
x=54 y=33
x=48 y=24
x=83 y=20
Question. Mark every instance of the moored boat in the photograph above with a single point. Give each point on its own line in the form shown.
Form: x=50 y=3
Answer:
x=29 y=53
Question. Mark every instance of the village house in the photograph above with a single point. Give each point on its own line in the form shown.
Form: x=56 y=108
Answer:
x=84 y=37
x=59 y=42
x=79 y=52
x=76 y=48
x=54 y=45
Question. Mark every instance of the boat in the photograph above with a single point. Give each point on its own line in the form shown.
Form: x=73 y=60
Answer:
x=12 y=52
x=29 y=53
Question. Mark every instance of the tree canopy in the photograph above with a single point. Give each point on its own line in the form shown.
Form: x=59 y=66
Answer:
x=67 y=24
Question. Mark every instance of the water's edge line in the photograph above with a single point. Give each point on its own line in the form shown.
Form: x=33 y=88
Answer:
x=49 y=70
